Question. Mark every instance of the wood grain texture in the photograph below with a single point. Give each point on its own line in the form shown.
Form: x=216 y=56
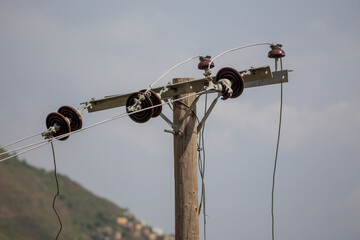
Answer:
x=185 y=169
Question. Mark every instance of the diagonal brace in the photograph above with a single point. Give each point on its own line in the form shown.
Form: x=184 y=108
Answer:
x=176 y=127
x=201 y=124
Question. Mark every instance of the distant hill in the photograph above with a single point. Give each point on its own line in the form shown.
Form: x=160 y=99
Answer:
x=26 y=213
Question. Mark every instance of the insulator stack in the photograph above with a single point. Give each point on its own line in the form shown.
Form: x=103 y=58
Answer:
x=73 y=115
x=143 y=106
x=156 y=100
x=204 y=63
x=64 y=121
x=60 y=124
x=236 y=80
x=276 y=51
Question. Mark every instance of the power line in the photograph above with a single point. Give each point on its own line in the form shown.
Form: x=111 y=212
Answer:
x=238 y=48
x=22 y=139
x=42 y=143
x=150 y=87
x=177 y=65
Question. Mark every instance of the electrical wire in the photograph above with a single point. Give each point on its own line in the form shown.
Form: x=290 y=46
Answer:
x=24 y=147
x=57 y=191
x=38 y=143
x=275 y=162
x=150 y=87
x=177 y=65
x=20 y=140
x=42 y=143
x=201 y=165
x=28 y=150
x=202 y=168
x=238 y=48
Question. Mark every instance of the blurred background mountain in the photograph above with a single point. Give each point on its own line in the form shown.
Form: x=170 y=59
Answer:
x=26 y=209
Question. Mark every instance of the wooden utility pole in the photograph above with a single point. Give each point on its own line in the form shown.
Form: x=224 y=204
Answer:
x=185 y=169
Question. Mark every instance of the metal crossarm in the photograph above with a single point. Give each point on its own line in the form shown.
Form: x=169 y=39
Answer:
x=253 y=77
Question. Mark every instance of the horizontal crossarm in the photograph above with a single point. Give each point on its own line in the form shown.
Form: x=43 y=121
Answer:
x=254 y=77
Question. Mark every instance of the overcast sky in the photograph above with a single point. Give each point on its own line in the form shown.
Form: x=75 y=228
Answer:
x=56 y=53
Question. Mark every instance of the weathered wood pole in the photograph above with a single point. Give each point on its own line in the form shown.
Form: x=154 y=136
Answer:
x=185 y=169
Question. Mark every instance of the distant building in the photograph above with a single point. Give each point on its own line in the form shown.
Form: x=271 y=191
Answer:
x=122 y=221
x=153 y=236
x=171 y=237
x=117 y=235
x=158 y=231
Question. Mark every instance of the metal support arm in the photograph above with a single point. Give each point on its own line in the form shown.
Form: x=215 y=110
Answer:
x=257 y=77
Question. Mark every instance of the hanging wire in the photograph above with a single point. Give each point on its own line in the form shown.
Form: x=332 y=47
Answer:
x=57 y=191
x=42 y=143
x=238 y=48
x=201 y=165
x=275 y=162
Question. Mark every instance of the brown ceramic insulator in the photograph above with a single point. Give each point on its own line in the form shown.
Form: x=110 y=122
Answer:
x=142 y=116
x=276 y=51
x=236 y=79
x=204 y=63
x=73 y=115
x=156 y=100
x=56 y=118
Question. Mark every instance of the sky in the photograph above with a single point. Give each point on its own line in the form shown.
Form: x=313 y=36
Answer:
x=56 y=53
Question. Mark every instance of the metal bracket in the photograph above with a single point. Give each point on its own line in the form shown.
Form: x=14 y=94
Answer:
x=49 y=133
x=176 y=127
x=171 y=124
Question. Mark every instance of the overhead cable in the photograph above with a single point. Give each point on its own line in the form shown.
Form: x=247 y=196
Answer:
x=20 y=140
x=42 y=143
x=168 y=71
x=235 y=49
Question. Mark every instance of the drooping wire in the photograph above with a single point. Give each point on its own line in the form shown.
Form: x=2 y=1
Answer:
x=275 y=162
x=238 y=48
x=57 y=191
x=42 y=143
x=201 y=165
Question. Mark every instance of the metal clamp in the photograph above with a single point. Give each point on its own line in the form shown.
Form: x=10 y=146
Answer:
x=50 y=132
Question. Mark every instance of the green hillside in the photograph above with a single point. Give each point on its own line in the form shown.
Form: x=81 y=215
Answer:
x=26 y=195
